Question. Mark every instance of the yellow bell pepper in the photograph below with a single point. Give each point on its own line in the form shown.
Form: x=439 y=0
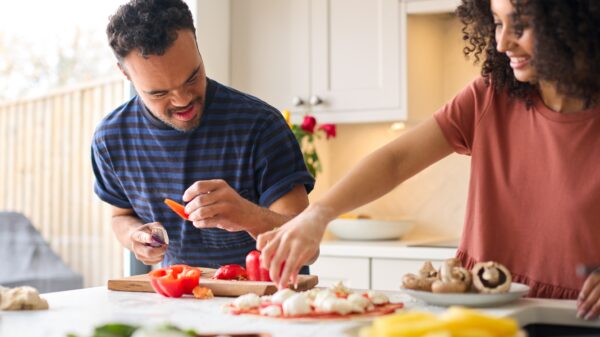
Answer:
x=455 y=322
x=412 y=324
x=461 y=319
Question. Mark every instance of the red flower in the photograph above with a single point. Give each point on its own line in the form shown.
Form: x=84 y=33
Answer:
x=308 y=124
x=329 y=130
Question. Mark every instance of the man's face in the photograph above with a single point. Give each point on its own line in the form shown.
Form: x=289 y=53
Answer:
x=173 y=85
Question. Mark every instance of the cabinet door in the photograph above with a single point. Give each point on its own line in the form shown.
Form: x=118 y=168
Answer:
x=269 y=50
x=353 y=271
x=387 y=273
x=355 y=58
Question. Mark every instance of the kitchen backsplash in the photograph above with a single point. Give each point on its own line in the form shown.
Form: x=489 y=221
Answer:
x=435 y=198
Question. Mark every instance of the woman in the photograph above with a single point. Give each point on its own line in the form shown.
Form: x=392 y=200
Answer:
x=531 y=125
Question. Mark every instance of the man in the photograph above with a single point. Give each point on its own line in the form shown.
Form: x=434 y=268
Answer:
x=229 y=156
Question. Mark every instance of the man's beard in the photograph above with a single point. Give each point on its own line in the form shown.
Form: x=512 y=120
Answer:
x=196 y=122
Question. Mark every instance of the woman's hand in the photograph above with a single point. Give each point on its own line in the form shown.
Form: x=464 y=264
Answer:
x=286 y=249
x=588 y=303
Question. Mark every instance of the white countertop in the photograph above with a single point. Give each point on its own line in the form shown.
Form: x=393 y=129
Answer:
x=78 y=311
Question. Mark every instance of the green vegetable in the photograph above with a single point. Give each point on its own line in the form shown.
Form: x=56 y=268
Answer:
x=126 y=330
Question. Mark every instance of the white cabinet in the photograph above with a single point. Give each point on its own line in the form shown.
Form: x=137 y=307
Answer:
x=337 y=59
x=376 y=265
x=386 y=274
x=353 y=271
x=430 y=6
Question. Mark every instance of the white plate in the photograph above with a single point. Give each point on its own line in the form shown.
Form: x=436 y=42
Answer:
x=517 y=290
x=369 y=229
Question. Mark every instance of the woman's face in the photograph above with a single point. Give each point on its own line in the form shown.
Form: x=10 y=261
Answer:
x=518 y=47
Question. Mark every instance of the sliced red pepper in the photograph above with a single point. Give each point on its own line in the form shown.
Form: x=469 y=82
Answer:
x=255 y=271
x=177 y=208
x=174 y=281
x=231 y=272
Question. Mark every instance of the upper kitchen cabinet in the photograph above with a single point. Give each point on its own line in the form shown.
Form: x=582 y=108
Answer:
x=338 y=59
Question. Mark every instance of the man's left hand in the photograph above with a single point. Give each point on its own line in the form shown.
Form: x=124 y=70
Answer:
x=215 y=204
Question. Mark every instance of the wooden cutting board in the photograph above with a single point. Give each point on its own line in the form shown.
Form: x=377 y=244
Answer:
x=227 y=288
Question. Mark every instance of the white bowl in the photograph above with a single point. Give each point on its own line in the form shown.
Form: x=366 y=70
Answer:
x=369 y=229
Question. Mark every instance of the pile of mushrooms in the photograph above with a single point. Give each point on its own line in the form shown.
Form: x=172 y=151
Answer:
x=485 y=277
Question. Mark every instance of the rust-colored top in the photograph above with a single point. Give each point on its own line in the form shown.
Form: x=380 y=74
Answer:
x=534 y=194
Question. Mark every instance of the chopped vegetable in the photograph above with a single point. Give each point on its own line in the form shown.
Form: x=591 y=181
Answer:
x=126 y=330
x=202 y=293
x=174 y=281
x=456 y=321
x=177 y=208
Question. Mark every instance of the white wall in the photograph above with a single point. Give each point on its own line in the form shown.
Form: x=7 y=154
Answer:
x=212 y=20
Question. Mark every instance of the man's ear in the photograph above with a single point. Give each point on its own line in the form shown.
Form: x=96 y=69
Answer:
x=123 y=71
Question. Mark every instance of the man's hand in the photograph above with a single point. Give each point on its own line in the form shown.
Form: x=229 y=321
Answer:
x=146 y=249
x=215 y=204
x=588 y=303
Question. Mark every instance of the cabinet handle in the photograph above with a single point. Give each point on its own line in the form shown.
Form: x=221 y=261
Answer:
x=297 y=101
x=315 y=100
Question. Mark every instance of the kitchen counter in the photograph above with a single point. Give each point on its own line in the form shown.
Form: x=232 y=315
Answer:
x=78 y=311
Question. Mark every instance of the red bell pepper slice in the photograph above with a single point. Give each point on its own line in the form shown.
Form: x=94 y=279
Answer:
x=255 y=271
x=231 y=272
x=174 y=281
x=177 y=208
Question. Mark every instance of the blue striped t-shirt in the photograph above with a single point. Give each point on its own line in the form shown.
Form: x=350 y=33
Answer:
x=139 y=161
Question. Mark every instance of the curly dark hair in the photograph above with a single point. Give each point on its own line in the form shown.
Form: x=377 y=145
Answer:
x=567 y=46
x=148 y=25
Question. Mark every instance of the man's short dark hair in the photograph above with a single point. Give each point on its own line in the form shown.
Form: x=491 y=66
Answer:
x=147 y=25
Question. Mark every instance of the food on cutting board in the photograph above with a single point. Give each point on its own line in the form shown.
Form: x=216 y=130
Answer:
x=485 y=277
x=454 y=322
x=231 y=272
x=333 y=303
x=252 y=272
x=21 y=298
x=176 y=280
x=255 y=271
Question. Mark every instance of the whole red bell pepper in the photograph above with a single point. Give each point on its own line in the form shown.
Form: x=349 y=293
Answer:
x=174 y=281
x=231 y=272
x=255 y=271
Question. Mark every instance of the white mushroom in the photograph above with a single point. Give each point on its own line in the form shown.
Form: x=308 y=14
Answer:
x=491 y=277
x=21 y=298
x=423 y=281
x=453 y=278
